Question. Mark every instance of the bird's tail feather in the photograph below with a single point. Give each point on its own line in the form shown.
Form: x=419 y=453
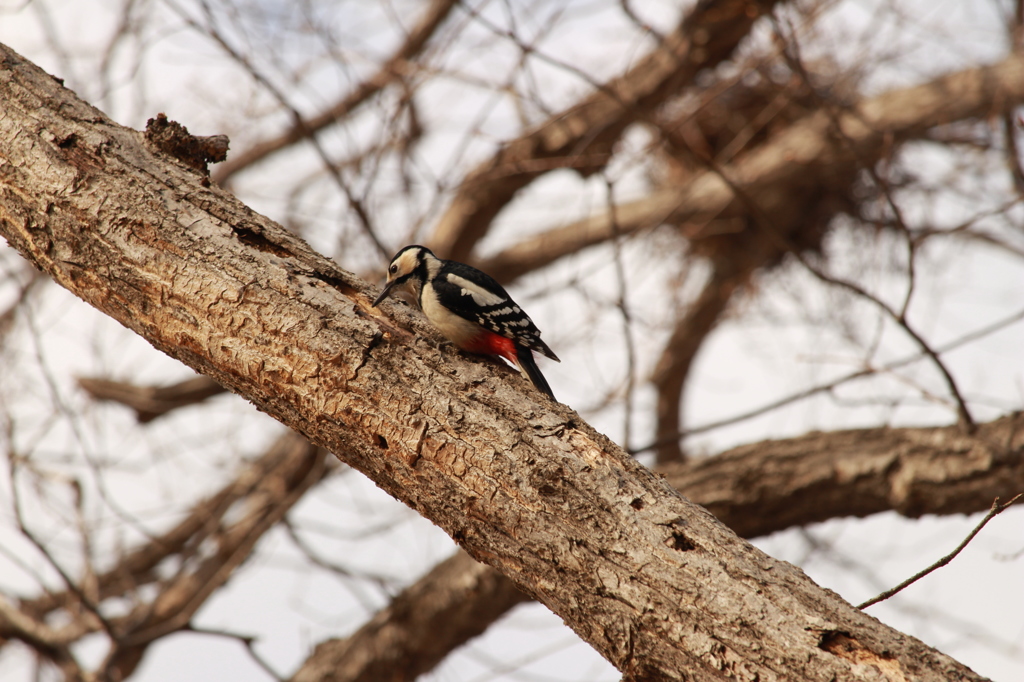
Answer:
x=528 y=365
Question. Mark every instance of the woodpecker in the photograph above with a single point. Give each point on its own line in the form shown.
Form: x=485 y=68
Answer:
x=470 y=308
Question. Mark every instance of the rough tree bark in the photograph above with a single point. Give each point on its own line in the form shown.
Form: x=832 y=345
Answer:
x=755 y=489
x=656 y=584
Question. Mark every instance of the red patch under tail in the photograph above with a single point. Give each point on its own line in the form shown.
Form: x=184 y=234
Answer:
x=489 y=343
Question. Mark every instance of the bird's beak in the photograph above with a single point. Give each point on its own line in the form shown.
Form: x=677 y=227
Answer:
x=383 y=294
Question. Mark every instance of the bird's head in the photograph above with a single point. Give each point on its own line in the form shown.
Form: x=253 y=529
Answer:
x=407 y=272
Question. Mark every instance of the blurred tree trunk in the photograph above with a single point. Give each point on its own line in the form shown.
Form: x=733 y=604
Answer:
x=653 y=582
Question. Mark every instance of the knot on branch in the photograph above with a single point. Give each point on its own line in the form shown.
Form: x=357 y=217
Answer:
x=172 y=138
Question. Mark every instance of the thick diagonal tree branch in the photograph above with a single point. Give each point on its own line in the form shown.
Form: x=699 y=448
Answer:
x=522 y=483
x=755 y=489
x=583 y=135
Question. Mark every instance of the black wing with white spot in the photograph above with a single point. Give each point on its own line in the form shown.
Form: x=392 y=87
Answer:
x=476 y=296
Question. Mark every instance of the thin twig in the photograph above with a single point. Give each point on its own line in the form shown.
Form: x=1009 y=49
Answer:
x=992 y=513
x=782 y=241
x=627 y=318
x=248 y=641
x=396 y=69
x=829 y=386
x=792 y=56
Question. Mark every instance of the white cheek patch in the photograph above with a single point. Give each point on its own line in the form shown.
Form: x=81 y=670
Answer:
x=407 y=263
x=481 y=296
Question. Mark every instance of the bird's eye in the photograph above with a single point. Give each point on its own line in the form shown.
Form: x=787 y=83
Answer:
x=393 y=269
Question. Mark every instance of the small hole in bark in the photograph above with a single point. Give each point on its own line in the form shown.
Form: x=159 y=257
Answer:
x=834 y=640
x=637 y=504
x=382 y=442
x=258 y=241
x=68 y=141
x=680 y=543
x=343 y=287
x=845 y=646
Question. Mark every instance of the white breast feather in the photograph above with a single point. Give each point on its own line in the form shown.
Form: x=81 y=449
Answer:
x=456 y=329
